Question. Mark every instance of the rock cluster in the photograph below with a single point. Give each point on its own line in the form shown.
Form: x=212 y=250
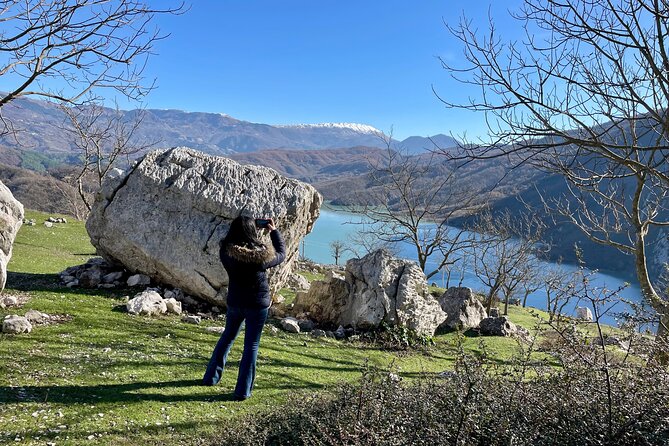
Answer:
x=11 y=218
x=375 y=289
x=96 y=273
x=166 y=216
x=29 y=222
x=56 y=220
x=15 y=324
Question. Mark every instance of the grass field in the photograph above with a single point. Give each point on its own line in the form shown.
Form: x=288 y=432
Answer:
x=105 y=377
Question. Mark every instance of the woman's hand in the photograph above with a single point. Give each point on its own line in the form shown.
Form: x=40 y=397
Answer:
x=270 y=225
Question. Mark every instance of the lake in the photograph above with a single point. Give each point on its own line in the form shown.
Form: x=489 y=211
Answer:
x=340 y=226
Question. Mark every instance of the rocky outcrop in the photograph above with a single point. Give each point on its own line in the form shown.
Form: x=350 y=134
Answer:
x=165 y=217
x=464 y=310
x=377 y=288
x=11 y=218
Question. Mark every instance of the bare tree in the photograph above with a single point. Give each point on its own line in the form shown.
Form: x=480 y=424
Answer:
x=585 y=94
x=337 y=248
x=411 y=200
x=505 y=252
x=103 y=137
x=66 y=50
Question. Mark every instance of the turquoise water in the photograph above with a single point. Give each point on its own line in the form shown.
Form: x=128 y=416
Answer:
x=340 y=226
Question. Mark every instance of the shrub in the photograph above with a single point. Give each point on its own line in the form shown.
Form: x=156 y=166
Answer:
x=585 y=398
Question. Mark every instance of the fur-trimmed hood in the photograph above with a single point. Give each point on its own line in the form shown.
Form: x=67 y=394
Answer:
x=257 y=255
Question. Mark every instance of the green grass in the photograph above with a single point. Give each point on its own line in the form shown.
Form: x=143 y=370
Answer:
x=106 y=377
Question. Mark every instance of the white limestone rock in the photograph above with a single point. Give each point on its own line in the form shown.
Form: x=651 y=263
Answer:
x=173 y=306
x=37 y=317
x=290 y=324
x=584 y=314
x=9 y=301
x=464 y=310
x=377 y=288
x=166 y=216
x=11 y=219
x=148 y=303
x=14 y=324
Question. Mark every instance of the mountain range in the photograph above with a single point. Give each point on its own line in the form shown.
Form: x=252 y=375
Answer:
x=41 y=125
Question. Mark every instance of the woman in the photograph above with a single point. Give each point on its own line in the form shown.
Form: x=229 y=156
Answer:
x=246 y=260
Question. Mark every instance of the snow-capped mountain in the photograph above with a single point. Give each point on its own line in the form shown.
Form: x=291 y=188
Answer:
x=41 y=125
x=353 y=127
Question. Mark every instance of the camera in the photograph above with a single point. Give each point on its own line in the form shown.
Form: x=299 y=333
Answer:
x=262 y=223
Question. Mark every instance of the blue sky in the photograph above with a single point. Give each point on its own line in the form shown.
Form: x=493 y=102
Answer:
x=310 y=61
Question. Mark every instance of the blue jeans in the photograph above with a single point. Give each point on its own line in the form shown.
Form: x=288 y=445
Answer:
x=255 y=319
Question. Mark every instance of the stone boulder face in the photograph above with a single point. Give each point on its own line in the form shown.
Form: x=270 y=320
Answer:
x=464 y=310
x=377 y=288
x=11 y=219
x=166 y=216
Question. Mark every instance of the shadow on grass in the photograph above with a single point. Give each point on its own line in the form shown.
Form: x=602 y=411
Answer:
x=112 y=393
x=32 y=281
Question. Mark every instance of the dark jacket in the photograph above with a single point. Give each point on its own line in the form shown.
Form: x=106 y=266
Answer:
x=248 y=287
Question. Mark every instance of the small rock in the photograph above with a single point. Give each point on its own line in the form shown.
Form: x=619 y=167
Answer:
x=148 y=302
x=48 y=224
x=173 y=306
x=90 y=278
x=340 y=333
x=65 y=278
x=394 y=377
x=272 y=329
x=329 y=334
x=192 y=319
x=72 y=284
x=138 y=280
x=106 y=350
x=112 y=277
x=290 y=324
x=218 y=330
x=10 y=301
x=14 y=324
x=317 y=333
x=306 y=324
x=36 y=317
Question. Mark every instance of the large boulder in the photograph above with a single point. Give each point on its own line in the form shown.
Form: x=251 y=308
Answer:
x=11 y=219
x=165 y=217
x=376 y=289
x=464 y=310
